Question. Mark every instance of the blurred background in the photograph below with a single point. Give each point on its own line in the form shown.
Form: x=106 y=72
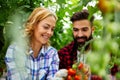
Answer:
x=13 y=14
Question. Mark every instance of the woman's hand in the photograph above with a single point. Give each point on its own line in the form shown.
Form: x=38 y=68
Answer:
x=61 y=74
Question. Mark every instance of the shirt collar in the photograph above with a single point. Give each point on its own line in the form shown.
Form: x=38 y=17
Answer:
x=42 y=51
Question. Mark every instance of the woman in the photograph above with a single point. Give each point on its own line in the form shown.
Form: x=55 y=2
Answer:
x=41 y=61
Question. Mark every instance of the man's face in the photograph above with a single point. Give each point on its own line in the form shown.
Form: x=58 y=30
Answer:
x=82 y=31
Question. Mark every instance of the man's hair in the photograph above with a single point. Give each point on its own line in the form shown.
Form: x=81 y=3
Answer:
x=82 y=15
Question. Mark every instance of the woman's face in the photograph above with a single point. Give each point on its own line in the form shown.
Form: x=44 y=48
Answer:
x=44 y=30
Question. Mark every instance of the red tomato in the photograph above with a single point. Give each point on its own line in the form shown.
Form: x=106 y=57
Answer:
x=69 y=77
x=71 y=71
x=77 y=77
x=80 y=66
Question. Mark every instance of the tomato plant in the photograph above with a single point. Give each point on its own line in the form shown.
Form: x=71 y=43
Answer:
x=69 y=77
x=77 y=77
x=74 y=66
x=71 y=72
x=80 y=66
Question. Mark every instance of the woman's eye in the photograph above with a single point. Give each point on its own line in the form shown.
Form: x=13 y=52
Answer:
x=46 y=27
x=53 y=29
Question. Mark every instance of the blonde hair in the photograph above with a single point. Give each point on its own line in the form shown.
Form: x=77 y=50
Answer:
x=36 y=16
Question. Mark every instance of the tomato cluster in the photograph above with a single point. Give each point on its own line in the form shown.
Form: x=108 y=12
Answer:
x=72 y=75
x=77 y=72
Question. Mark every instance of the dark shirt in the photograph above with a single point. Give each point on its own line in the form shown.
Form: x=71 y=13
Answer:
x=67 y=56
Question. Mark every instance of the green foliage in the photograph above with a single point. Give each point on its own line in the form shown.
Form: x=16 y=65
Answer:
x=64 y=10
x=106 y=30
x=98 y=28
x=85 y=2
x=118 y=76
x=7 y=10
x=61 y=2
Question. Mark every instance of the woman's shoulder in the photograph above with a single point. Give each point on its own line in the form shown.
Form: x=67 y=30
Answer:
x=11 y=47
x=51 y=48
x=10 y=51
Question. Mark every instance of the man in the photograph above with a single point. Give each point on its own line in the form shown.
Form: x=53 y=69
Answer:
x=82 y=32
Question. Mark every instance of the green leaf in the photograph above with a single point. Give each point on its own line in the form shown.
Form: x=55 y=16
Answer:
x=85 y=2
x=92 y=9
x=60 y=2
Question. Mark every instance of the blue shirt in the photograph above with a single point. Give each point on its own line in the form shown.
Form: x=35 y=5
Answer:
x=43 y=67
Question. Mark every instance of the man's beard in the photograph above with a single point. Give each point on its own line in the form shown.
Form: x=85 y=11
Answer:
x=81 y=44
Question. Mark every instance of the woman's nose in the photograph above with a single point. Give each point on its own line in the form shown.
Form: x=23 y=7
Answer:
x=50 y=32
